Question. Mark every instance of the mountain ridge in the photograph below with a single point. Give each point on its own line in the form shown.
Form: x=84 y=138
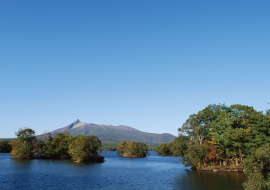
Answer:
x=113 y=133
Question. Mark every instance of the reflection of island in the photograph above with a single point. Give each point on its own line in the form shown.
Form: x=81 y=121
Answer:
x=132 y=149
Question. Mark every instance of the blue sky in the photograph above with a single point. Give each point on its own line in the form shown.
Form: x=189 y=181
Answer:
x=145 y=64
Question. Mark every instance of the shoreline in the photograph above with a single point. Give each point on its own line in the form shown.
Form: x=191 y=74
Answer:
x=218 y=170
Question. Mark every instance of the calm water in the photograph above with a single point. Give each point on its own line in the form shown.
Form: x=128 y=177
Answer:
x=153 y=172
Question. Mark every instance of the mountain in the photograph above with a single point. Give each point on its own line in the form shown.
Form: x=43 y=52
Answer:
x=114 y=133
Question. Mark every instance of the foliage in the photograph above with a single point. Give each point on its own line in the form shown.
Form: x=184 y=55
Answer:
x=259 y=160
x=132 y=149
x=112 y=146
x=222 y=135
x=234 y=137
x=22 y=147
x=256 y=181
x=5 y=147
x=164 y=149
x=84 y=148
x=58 y=146
x=179 y=146
x=63 y=145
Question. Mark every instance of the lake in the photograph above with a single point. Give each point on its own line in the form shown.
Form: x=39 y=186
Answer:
x=152 y=172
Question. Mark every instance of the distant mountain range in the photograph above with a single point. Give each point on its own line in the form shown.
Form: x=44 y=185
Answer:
x=114 y=133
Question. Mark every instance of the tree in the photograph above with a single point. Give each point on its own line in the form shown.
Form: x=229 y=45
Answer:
x=23 y=146
x=58 y=146
x=84 y=148
x=164 y=149
x=221 y=134
x=179 y=145
x=199 y=125
x=132 y=149
x=5 y=147
x=240 y=130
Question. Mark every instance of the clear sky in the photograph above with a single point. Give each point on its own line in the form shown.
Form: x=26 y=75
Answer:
x=147 y=64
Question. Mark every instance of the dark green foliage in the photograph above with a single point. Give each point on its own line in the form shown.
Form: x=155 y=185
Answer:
x=223 y=135
x=164 y=149
x=63 y=145
x=5 y=147
x=84 y=148
x=23 y=146
x=132 y=149
x=259 y=160
x=179 y=145
x=256 y=181
x=228 y=137
x=58 y=146
x=176 y=148
x=112 y=146
x=26 y=135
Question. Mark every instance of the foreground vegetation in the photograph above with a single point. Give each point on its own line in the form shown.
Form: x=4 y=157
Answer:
x=225 y=138
x=63 y=145
x=132 y=149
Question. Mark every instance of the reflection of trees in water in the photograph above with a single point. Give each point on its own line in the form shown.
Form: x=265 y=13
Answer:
x=21 y=162
x=205 y=180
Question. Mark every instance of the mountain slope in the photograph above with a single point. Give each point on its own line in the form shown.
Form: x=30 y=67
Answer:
x=114 y=133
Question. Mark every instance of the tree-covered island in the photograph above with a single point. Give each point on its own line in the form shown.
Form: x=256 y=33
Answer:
x=79 y=148
x=225 y=138
x=132 y=149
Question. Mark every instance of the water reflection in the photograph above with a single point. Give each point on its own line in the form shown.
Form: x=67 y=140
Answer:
x=210 y=180
x=153 y=172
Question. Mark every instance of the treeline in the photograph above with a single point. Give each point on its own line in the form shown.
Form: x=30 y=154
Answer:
x=5 y=146
x=132 y=149
x=174 y=148
x=112 y=146
x=79 y=148
x=224 y=137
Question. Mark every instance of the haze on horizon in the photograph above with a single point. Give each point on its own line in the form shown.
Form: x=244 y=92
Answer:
x=144 y=64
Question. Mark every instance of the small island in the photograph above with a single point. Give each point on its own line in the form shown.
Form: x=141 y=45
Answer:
x=165 y=149
x=78 y=148
x=132 y=149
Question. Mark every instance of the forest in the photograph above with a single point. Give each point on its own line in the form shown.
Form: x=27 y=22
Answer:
x=132 y=149
x=225 y=138
x=79 y=148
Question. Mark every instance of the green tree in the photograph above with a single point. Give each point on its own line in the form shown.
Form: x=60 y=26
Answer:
x=23 y=146
x=5 y=147
x=198 y=126
x=58 y=146
x=164 y=149
x=132 y=149
x=84 y=148
x=179 y=145
x=240 y=130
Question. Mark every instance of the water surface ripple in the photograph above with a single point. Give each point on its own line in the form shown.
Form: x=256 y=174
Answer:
x=153 y=172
